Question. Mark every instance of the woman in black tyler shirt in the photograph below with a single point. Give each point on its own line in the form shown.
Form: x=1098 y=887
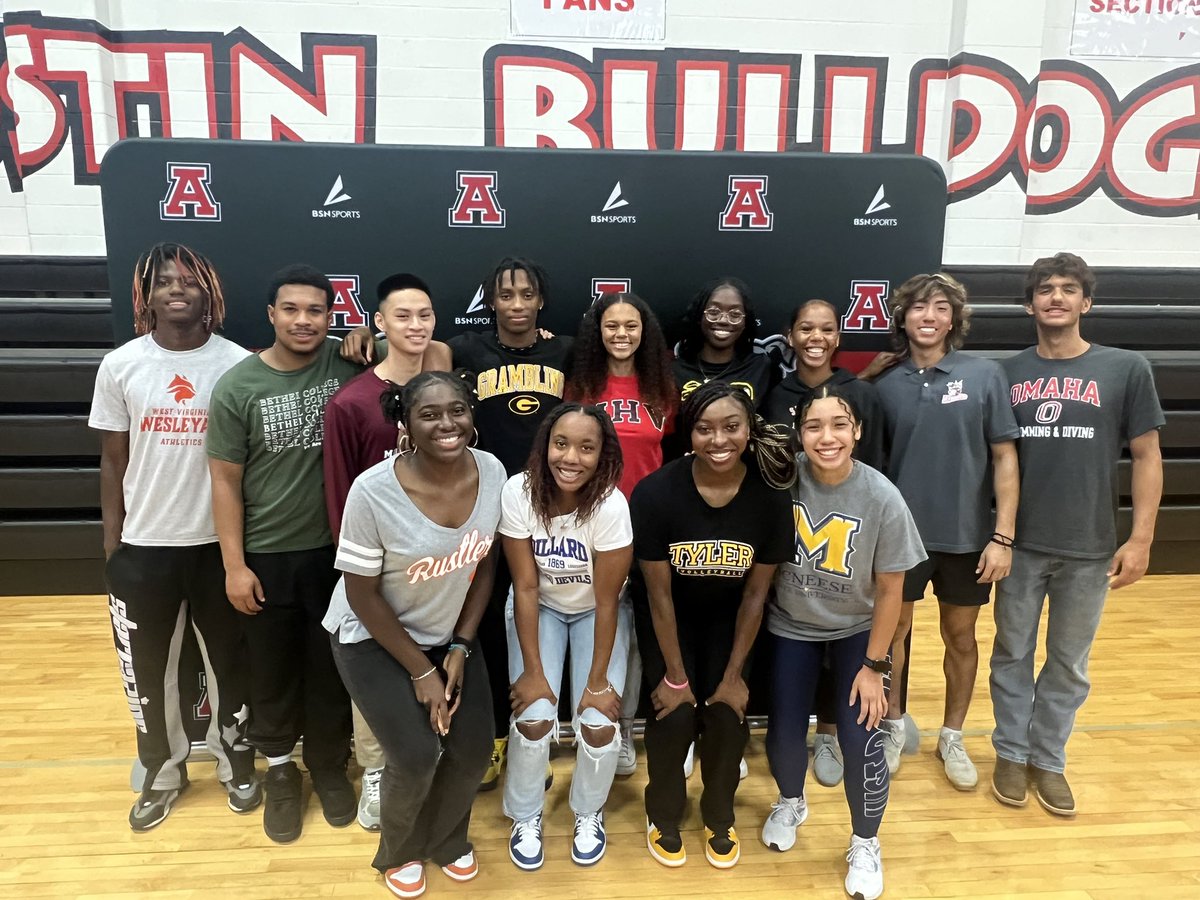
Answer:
x=709 y=530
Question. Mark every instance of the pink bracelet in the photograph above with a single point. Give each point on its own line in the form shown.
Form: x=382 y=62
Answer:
x=674 y=687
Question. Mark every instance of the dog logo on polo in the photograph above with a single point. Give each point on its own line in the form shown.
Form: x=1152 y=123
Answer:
x=524 y=405
x=747 y=208
x=602 y=286
x=181 y=389
x=827 y=544
x=477 y=205
x=189 y=193
x=954 y=392
x=347 y=309
x=868 y=307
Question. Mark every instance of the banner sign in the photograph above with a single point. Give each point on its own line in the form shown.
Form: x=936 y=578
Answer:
x=1167 y=29
x=595 y=20
x=846 y=228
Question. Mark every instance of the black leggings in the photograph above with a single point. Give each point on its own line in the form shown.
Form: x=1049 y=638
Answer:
x=794 y=683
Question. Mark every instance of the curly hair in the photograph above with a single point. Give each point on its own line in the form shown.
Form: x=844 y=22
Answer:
x=539 y=480
x=651 y=361
x=145 y=273
x=919 y=289
x=691 y=340
x=398 y=401
x=770 y=446
x=1065 y=265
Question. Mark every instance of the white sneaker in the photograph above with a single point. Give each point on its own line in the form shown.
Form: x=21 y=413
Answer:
x=893 y=742
x=864 y=877
x=743 y=770
x=959 y=768
x=912 y=736
x=627 y=755
x=827 y=760
x=525 y=844
x=589 y=840
x=368 y=801
x=689 y=761
x=787 y=814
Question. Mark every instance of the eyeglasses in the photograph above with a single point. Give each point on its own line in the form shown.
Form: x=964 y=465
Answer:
x=733 y=317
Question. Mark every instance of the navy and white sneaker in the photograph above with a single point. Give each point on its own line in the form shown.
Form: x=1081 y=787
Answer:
x=587 y=847
x=525 y=844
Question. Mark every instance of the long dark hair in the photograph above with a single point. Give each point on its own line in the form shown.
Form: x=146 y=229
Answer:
x=769 y=445
x=145 y=273
x=540 y=480
x=651 y=361
x=691 y=341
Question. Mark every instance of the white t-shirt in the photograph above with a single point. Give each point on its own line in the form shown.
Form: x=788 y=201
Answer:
x=564 y=553
x=161 y=398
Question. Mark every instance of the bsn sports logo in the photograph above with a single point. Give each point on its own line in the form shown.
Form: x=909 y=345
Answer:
x=602 y=286
x=868 y=307
x=181 y=389
x=336 y=196
x=347 y=309
x=477 y=205
x=614 y=201
x=747 y=208
x=477 y=312
x=878 y=204
x=189 y=193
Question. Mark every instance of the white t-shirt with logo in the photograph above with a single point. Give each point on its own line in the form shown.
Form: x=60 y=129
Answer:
x=161 y=398
x=564 y=553
x=424 y=568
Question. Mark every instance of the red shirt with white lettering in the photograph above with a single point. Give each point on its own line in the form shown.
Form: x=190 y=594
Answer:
x=640 y=429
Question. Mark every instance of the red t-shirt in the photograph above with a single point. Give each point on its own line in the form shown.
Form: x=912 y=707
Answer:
x=639 y=431
x=357 y=435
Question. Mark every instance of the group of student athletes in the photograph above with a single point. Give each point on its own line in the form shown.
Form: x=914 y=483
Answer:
x=410 y=542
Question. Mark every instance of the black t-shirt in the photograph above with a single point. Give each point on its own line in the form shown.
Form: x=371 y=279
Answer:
x=516 y=389
x=790 y=394
x=753 y=373
x=710 y=550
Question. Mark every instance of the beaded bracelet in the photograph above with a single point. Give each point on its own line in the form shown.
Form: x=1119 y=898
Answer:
x=1002 y=539
x=466 y=651
x=432 y=669
x=599 y=693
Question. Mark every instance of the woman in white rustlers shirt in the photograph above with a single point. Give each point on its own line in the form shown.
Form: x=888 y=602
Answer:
x=415 y=547
x=569 y=545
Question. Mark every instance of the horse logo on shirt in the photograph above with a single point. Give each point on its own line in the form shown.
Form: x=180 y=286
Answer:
x=827 y=544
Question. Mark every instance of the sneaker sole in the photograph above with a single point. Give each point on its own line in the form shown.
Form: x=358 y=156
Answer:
x=958 y=787
x=580 y=861
x=723 y=863
x=142 y=827
x=1051 y=808
x=368 y=825
x=527 y=867
x=1009 y=801
x=242 y=810
x=340 y=821
x=397 y=891
x=662 y=860
x=460 y=876
x=627 y=770
x=285 y=837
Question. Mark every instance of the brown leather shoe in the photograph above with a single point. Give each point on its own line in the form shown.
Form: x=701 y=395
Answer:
x=1010 y=782
x=1053 y=792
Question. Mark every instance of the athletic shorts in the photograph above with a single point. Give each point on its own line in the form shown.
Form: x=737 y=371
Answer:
x=953 y=576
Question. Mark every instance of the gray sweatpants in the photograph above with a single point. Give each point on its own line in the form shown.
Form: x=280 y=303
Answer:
x=1034 y=719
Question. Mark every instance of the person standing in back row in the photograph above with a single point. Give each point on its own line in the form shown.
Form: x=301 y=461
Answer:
x=1076 y=403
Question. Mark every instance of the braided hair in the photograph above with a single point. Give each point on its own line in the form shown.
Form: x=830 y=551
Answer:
x=770 y=445
x=145 y=273
x=540 y=480
x=397 y=401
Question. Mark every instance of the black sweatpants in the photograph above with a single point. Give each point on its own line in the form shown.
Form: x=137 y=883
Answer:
x=154 y=594
x=705 y=641
x=295 y=688
x=429 y=782
x=493 y=639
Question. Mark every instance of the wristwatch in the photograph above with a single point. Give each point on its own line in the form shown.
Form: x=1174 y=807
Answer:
x=882 y=666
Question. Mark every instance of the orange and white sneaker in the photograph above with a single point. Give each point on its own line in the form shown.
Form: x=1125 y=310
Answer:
x=721 y=848
x=666 y=846
x=464 y=868
x=407 y=880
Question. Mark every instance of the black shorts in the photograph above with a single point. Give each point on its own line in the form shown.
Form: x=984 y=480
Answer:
x=954 y=579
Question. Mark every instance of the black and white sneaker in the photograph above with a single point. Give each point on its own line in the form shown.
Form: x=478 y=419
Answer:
x=152 y=807
x=244 y=798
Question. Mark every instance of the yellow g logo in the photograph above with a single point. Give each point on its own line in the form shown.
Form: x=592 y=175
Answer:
x=524 y=405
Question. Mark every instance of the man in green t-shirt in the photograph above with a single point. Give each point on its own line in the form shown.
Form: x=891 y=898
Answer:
x=265 y=433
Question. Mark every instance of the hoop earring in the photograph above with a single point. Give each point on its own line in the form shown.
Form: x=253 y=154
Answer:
x=475 y=439
x=404 y=445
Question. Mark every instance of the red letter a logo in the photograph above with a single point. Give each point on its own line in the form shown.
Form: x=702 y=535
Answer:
x=747 y=207
x=868 y=307
x=347 y=308
x=188 y=193
x=476 y=205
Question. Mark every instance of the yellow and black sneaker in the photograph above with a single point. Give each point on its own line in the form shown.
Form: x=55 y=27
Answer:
x=665 y=845
x=491 y=777
x=721 y=848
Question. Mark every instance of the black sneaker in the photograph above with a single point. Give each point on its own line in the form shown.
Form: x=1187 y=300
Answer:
x=243 y=798
x=283 y=817
x=152 y=807
x=336 y=794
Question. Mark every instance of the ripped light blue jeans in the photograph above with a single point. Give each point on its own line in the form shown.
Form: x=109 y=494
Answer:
x=524 y=794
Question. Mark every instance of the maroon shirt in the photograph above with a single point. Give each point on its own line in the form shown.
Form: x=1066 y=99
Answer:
x=357 y=436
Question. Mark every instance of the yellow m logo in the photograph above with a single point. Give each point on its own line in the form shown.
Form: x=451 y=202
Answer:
x=827 y=544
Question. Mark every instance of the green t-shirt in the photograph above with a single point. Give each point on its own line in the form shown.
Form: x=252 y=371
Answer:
x=273 y=424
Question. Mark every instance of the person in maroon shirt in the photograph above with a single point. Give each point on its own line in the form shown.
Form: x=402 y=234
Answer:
x=358 y=435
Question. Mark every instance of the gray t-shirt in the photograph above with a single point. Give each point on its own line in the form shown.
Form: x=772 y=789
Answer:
x=939 y=422
x=425 y=567
x=1075 y=414
x=844 y=534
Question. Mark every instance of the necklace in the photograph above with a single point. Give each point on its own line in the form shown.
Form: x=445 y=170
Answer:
x=704 y=372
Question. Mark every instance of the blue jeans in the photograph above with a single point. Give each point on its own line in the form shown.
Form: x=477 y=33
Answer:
x=1034 y=719
x=524 y=794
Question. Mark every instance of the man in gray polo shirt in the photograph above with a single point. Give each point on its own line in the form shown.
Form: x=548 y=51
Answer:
x=1076 y=404
x=950 y=435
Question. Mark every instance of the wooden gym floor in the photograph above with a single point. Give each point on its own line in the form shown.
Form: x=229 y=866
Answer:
x=64 y=792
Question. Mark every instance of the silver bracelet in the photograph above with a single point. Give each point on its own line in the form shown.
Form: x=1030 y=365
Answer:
x=432 y=669
x=599 y=693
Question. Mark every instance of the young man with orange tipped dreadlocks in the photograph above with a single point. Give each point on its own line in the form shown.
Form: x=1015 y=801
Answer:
x=164 y=568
